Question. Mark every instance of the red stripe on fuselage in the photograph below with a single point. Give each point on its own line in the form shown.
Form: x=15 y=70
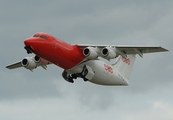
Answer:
x=60 y=53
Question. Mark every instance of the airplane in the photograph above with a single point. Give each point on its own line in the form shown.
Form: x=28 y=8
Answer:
x=84 y=61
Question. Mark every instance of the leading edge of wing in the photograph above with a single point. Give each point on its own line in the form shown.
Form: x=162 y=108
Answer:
x=14 y=65
x=91 y=45
x=126 y=47
x=142 y=47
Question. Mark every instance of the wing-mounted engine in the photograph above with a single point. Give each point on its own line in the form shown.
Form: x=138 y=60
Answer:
x=32 y=62
x=108 y=53
x=28 y=63
x=91 y=52
x=41 y=62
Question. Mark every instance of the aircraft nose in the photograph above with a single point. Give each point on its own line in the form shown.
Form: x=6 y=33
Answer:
x=28 y=47
x=27 y=42
x=31 y=45
x=31 y=42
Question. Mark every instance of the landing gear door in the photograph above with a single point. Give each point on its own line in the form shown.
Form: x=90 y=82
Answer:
x=90 y=73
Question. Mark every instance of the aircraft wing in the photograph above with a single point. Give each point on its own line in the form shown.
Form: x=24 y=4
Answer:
x=143 y=49
x=126 y=49
x=14 y=65
x=30 y=63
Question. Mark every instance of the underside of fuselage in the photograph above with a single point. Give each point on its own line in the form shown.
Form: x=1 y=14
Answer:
x=94 y=71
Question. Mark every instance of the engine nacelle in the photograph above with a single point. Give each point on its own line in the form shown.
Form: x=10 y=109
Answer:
x=37 y=59
x=108 y=53
x=90 y=52
x=28 y=63
x=40 y=61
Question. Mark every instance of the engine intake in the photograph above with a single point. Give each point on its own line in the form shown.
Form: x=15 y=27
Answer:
x=90 y=52
x=40 y=61
x=37 y=59
x=28 y=63
x=108 y=53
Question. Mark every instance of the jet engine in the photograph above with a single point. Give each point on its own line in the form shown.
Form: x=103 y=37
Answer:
x=40 y=61
x=32 y=62
x=37 y=59
x=108 y=53
x=28 y=63
x=90 y=52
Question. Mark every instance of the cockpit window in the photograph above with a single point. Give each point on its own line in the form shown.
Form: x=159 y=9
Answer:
x=36 y=35
x=41 y=36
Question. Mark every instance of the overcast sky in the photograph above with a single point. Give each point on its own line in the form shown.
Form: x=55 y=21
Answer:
x=44 y=95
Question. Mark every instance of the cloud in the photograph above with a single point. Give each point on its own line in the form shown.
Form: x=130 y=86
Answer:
x=158 y=110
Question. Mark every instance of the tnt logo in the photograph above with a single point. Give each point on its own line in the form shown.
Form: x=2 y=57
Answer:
x=108 y=68
x=127 y=61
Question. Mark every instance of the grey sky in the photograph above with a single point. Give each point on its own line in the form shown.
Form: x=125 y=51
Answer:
x=42 y=95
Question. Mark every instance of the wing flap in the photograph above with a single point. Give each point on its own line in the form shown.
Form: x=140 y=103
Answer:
x=14 y=65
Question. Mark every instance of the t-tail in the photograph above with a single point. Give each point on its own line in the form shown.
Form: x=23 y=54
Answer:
x=124 y=66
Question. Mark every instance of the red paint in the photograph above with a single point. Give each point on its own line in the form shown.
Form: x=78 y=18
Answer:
x=127 y=61
x=56 y=51
x=108 y=68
